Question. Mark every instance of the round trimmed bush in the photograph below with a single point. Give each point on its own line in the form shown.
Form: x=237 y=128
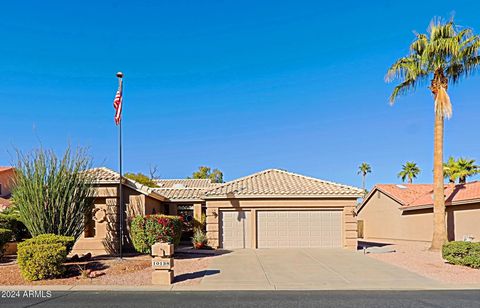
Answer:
x=148 y=230
x=43 y=256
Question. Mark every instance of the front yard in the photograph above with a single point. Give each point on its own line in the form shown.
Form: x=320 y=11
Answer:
x=415 y=257
x=132 y=270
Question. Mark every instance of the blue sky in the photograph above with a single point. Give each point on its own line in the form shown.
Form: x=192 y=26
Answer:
x=237 y=85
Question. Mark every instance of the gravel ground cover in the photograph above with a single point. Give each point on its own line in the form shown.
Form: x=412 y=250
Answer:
x=132 y=270
x=415 y=257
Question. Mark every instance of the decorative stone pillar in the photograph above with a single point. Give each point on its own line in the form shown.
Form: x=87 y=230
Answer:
x=162 y=263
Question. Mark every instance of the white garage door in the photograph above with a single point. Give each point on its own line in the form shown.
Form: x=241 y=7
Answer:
x=280 y=229
x=236 y=228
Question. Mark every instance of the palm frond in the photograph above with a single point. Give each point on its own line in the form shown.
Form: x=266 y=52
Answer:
x=402 y=89
x=446 y=48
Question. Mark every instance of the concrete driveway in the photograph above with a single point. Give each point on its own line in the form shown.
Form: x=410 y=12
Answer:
x=307 y=269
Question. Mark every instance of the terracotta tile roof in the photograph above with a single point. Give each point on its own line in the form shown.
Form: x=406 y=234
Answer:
x=184 y=189
x=2 y=169
x=404 y=193
x=182 y=194
x=415 y=195
x=185 y=183
x=104 y=175
x=279 y=183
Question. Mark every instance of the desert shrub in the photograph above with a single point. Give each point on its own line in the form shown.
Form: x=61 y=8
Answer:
x=13 y=223
x=462 y=253
x=43 y=256
x=147 y=230
x=53 y=194
x=5 y=236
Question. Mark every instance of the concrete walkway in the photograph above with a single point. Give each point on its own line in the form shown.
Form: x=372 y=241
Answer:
x=307 y=269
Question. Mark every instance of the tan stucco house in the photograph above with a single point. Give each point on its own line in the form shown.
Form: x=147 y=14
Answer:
x=268 y=209
x=405 y=212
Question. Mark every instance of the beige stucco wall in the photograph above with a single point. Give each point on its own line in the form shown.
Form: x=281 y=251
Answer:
x=106 y=236
x=466 y=221
x=383 y=220
x=214 y=206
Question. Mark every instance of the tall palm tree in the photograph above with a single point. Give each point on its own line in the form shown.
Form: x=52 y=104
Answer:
x=442 y=56
x=409 y=171
x=364 y=169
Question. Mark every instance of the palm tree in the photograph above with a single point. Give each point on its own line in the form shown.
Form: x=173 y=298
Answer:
x=409 y=171
x=466 y=168
x=450 y=170
x=442 y=56
x=460 y=169
x=364 y=169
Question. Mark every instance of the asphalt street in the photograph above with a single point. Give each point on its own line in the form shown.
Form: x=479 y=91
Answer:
x=469 y=298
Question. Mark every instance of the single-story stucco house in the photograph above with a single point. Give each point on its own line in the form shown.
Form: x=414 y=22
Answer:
x=405 y=212
x=268 y=209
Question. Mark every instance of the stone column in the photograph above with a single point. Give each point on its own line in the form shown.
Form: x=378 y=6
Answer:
x=350 y=227
x=112 y=228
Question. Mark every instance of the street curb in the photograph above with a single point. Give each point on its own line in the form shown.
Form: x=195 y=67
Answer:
x=180 y=288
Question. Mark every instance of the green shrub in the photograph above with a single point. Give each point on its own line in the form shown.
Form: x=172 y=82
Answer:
x=43 y=256
x=12 y=222
x=66 y=241
x=5 y=236
x=147 y=230
x=462 y=253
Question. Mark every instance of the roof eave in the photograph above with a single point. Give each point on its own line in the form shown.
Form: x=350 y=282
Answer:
x=184 y=200
x=428 y=206
x=226 y=196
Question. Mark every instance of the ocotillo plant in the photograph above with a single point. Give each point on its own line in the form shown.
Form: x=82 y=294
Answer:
x=53 y=194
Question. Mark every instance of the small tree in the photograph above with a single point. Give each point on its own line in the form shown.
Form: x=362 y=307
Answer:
x=53 y=194
x=215 y=175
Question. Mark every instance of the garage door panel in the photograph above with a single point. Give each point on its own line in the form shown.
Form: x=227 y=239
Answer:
x=307 y=228
x=236 y=228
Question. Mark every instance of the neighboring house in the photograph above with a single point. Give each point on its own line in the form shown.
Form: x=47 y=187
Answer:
x=268 y=209
x=6 y=181
x=405 y=212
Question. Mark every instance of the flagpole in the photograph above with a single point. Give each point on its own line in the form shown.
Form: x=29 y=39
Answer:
x=120 y=162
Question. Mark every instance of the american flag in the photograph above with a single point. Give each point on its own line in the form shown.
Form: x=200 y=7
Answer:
x=117 y=104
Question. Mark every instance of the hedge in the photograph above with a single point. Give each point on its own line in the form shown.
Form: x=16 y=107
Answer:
x=147 y=230
x=43 y=256
x=12 y=222
x=66 y=241
x=462 y=253
x=5 y=236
